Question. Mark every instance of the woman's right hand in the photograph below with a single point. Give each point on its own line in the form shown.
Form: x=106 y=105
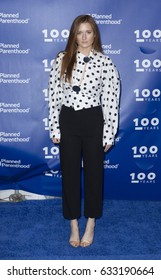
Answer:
x=56 y=140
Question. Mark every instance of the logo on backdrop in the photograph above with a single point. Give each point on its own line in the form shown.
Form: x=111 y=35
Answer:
x=46 y=94
x=15 y=18
x=12 y=49
x=13 y=108
x=48 y=64
x=117 y=139
x=147 y=36
x=108 y=50
x=143 y=178
x=106 y=19
x=51 y=153
x=147 y=65
x=53 y=173
x=147 y=95
x=146 y=124
x=13 y=78
x=55 y=35
x=46 y=123
x=12 y=163
x=145 y=152
x=13 y=137
x=109 y=165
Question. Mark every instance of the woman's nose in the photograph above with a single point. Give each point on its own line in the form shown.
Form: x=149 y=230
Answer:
x=84 y=36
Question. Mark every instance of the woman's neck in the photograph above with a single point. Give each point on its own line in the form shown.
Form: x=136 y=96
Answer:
x=84 y=51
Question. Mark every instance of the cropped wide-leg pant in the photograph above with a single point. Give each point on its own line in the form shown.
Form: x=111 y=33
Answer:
x=81 y=138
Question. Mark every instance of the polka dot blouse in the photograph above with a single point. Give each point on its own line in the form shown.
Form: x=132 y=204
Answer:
x=100 y=86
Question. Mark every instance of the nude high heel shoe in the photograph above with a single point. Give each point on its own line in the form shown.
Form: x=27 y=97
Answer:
x=74 y=235
x=88 y=236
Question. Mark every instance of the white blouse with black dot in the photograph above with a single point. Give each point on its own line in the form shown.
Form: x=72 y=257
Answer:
x=100 y=86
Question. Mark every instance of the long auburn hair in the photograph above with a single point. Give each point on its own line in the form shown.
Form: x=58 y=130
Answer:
x=69 y=58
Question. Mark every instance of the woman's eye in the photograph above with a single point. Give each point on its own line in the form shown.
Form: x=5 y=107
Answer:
x=80 y=32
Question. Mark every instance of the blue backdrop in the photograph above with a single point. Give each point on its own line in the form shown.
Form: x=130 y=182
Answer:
x=32 y=32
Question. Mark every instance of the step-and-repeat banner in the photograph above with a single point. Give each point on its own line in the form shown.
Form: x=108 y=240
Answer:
x=32 y=33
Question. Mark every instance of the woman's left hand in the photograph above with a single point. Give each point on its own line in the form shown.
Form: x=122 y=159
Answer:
x=56 y=140
x=107 y=147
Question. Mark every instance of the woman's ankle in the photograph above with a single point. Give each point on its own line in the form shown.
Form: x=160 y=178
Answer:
x=74 y=230
x=91 y=222
x=74 y=223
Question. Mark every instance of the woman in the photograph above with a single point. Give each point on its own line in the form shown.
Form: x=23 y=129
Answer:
x=83 y=118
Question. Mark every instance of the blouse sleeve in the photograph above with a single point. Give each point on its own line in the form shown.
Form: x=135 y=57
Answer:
x=55 y=97
x=110 y=100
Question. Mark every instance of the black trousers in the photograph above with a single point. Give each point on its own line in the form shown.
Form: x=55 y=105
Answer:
x=81 y=138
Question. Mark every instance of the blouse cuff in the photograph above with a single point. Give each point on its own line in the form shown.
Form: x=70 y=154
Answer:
x=108 y=142
x=56 y=134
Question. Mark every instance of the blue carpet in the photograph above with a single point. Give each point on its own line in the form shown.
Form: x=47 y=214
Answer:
x=36 y=230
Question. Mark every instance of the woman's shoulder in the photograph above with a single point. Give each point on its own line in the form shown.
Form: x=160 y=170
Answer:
x=58 y=59
x=60 y=55
x=104 y=58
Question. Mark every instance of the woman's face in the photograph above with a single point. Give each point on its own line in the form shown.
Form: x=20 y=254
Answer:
x=85 y=37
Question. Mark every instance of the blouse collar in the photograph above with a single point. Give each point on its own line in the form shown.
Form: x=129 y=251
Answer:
x=81 y=55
